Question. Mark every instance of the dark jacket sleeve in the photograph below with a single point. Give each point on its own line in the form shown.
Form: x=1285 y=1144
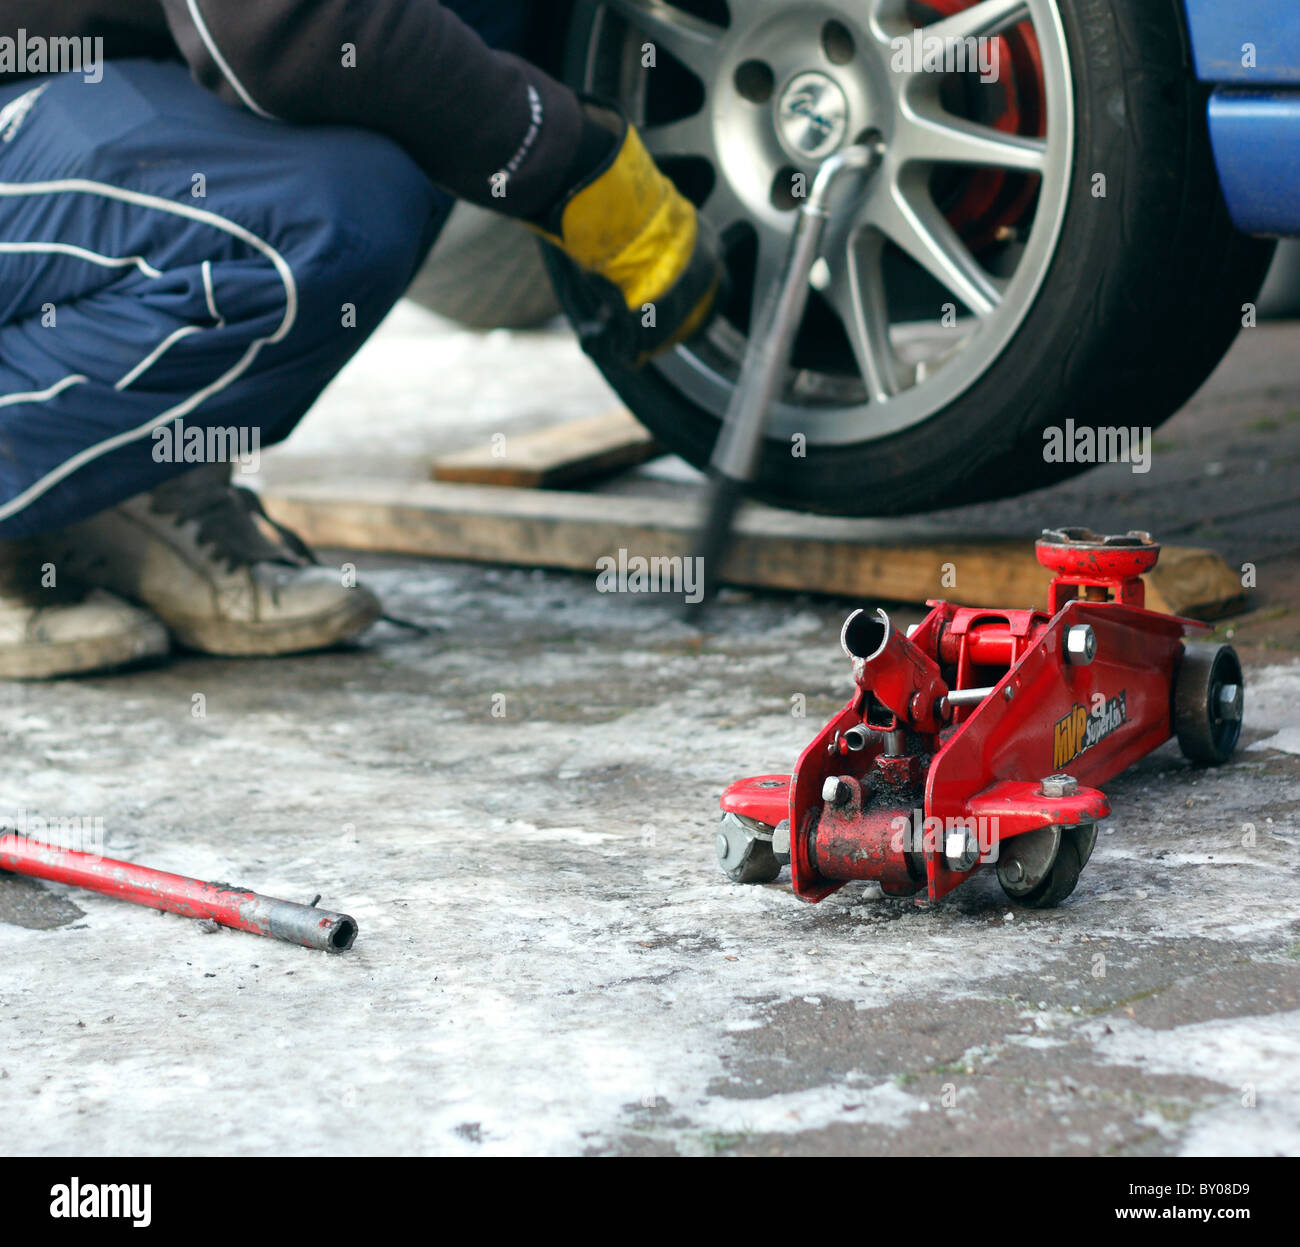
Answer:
x=484 y=124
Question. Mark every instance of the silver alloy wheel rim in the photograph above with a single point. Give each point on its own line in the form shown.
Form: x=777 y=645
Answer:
x=907 y=372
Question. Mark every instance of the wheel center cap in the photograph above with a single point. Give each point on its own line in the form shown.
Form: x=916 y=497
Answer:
x=812 y=116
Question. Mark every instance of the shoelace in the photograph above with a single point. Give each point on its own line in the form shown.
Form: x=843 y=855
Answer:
x=227 y=518
x=228 y=515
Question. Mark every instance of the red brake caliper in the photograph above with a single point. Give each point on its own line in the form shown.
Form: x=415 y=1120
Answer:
x=987 y=203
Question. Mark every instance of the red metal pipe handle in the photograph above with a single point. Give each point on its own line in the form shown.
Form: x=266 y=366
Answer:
x=177 y=894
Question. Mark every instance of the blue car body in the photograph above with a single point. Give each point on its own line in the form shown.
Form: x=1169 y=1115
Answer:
x=1249 y=52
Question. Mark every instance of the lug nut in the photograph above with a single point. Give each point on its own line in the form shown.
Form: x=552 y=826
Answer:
x=1013 y=870
x=1229 y=702
x=781 y=842
x=1080 y=645
x=961 y=849
x=1060 y=786
x=835 y=791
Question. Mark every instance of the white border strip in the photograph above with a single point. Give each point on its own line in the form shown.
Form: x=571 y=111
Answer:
x=80 y=253
x=215 y=52
x=44 y=396
x=155 y=355
x=210 y=294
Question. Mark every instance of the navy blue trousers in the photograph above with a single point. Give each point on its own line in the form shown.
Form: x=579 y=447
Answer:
x=165 y=257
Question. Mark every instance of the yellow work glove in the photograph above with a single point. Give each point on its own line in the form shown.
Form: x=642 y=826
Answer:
x=650 y=271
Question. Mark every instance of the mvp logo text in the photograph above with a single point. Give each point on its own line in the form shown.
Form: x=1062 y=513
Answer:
x=1079 y=730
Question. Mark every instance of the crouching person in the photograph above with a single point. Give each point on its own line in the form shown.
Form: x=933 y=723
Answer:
x=195 y=239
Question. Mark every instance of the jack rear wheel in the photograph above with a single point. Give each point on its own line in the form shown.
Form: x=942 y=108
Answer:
x=1209 y=693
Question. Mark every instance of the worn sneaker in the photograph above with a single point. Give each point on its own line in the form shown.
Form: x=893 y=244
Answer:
x=203 y=556
x=50 y=626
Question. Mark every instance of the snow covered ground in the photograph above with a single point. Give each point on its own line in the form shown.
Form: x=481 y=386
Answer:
x=549 y=960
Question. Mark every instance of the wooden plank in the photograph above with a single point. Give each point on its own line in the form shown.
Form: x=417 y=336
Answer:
x=564 y=454
x=1194 y=582
x=902 y=561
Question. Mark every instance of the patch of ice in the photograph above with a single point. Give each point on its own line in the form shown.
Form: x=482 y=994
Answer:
x=1258 y=1058
x=885 y=1105
x=1285 y=741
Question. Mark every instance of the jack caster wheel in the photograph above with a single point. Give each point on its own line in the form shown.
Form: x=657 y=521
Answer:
x=745 y=850
x=1040 y=868
x=1209 y=694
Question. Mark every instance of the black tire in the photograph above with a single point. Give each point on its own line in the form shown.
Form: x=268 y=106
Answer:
x=1064 y=875
x=1205 y=735
x=1280 y=297
x=486 y=272
x=1143 y=298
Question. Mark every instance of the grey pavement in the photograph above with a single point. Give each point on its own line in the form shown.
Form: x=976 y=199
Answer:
x=519 y=811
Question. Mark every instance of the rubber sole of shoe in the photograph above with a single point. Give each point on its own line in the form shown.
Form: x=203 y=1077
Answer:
x=225 y=639
x=68 y=658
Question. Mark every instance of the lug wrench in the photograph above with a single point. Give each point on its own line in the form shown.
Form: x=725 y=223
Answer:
x=738 y=449
x=177 y=894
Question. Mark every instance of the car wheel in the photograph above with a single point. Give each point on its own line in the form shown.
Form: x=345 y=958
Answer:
x=486 y=272
x=1041 y=244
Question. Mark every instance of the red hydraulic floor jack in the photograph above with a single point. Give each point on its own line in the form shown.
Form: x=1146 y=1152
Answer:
x=981 y=737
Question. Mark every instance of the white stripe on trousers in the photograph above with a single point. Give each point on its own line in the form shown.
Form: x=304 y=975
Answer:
x=75 y=186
